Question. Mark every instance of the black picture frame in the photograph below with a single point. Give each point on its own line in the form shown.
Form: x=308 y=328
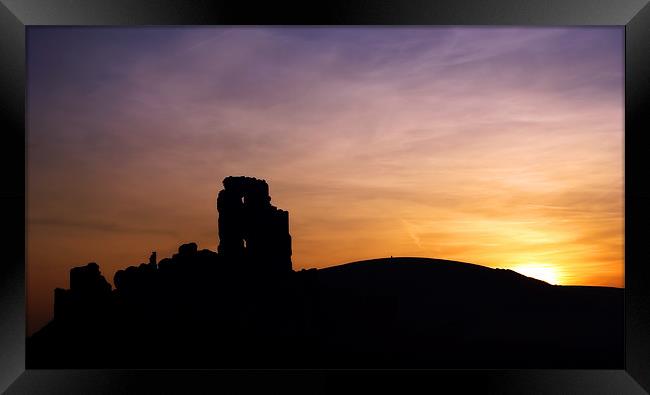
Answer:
x=16 y=15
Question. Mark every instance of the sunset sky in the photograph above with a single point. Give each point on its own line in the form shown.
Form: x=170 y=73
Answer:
x=496 y=146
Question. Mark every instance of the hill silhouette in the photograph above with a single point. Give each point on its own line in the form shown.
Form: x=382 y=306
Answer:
x=244 y=307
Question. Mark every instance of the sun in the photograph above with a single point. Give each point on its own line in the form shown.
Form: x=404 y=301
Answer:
x=539 y=271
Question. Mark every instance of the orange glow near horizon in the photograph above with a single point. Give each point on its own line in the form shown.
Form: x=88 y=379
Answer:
x=499 y=146
x=544 y=272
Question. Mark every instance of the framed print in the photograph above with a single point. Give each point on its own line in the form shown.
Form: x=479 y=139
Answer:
x=423 y=194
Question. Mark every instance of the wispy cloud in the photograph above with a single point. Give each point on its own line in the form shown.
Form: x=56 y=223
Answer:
x=96 y=226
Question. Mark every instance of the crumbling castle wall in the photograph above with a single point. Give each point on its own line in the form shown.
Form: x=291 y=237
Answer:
x=254 y=240
x=88 y=295
x=251 y=229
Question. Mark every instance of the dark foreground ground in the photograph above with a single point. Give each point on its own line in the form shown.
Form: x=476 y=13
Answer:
x=384 y=313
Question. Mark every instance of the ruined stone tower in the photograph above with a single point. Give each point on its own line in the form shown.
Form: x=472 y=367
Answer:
x=251 y=230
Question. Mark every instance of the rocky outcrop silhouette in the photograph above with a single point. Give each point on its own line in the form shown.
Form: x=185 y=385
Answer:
x=244 y=307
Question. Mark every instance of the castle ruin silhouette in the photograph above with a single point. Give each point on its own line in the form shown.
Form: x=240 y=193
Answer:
x=254 y=241
x=245 y=307
x=251 y=229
